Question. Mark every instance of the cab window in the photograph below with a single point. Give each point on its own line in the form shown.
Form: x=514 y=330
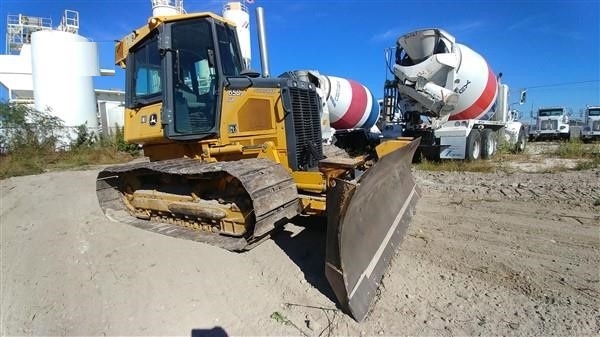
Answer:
x=147 y=83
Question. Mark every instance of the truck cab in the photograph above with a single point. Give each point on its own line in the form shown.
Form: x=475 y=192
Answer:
x=591 y=124
x=550 y=123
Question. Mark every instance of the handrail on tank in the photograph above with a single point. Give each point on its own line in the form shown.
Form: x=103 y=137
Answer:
x=175 y=5
x=233 y=5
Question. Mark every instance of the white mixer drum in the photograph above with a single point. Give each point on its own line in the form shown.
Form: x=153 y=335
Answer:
x=351 y=105
x=476 y=85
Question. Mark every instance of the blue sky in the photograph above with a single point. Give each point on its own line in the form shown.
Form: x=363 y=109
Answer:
x=551 y=48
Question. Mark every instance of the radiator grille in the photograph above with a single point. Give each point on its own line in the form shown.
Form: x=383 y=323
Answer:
x=307 y=126
x=549 y=125
x=596 y=125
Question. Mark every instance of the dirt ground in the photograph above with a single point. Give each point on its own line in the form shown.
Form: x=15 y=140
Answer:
x=514 y=254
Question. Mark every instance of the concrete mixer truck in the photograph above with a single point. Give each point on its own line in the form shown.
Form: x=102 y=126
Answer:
x=447 y=94
x=234 y=155
x=349 y=110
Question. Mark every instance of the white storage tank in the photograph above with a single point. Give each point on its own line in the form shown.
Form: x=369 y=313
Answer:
x=237 y=12
x=63 y=64
x=167 y=7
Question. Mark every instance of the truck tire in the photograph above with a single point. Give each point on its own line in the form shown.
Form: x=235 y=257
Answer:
x=473 y=148
x=521 y=141
x=489 y=143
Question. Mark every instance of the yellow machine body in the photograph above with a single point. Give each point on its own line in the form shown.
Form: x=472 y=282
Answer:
x=233 y=156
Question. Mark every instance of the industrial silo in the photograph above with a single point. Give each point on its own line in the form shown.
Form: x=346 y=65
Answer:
x=237 y=12
x=167 y=7
x=63 y=64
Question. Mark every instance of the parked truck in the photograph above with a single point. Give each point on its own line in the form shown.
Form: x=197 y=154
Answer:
x=447 y=94
x=550 y=123
x=591 y=124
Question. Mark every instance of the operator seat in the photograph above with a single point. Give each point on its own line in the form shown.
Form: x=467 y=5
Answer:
x=182 y=113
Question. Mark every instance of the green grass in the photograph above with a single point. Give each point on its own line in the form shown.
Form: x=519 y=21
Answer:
x=587 y=154
x=34 y=142
x=449 y=165
x=588 y=164
x=572 y=149
x=28 y=162
x=505 y=153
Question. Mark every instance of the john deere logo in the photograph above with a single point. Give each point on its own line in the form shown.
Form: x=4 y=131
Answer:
x=153 y=120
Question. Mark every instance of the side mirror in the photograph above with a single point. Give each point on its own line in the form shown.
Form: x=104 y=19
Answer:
x=250 y=73
x=523 y=97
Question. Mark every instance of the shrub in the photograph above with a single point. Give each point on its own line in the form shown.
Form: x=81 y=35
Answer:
x=32 y=142
x=27 y=130
x=571 y=149
x=588 y=164
x=119 y=138
x=85 y=137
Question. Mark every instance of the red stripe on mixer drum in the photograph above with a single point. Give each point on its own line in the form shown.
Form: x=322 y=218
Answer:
x=482 y=103
x=357 y=108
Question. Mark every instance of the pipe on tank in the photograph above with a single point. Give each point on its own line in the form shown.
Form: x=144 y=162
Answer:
x=262 y=42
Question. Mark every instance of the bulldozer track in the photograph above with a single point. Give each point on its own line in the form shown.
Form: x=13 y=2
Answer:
x=270 y=188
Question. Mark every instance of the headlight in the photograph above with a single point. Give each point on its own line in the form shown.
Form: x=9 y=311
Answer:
x=562 y=127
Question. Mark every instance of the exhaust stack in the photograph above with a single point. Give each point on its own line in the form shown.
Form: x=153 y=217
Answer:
x=262 y=42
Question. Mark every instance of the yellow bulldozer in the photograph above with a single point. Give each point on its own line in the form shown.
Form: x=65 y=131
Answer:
x=234 y=156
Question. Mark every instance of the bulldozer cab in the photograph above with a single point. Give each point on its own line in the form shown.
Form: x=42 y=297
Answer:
x=181 y=64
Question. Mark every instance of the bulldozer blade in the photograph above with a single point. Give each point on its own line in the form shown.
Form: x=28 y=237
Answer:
x=367 y=221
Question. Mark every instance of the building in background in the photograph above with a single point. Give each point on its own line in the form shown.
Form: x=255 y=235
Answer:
x=52 y=68
x=110 y=109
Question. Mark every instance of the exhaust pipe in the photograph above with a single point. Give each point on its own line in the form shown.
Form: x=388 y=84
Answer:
x=262 y=42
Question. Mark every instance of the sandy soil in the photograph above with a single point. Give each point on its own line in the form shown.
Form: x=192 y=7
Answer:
x=513 y=254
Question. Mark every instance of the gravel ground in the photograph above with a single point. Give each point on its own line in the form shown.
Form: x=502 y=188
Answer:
x=487 y=254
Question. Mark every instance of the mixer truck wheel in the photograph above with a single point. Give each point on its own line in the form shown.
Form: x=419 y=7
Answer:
x=473 y=148
x=489 y=143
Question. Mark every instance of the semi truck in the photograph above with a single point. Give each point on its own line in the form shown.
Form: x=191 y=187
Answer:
x=591 y=123
x=446 y=93
x=550 y=123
